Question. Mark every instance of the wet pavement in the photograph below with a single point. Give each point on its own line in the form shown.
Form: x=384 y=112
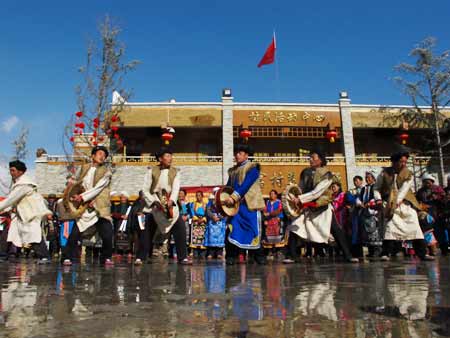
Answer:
x=322 y=299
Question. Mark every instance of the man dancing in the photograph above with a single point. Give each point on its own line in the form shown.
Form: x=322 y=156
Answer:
x=28 y=209
x=244 y=229
x=95 y=178
x=316 y=221
x=161 y=189
x=393 y=190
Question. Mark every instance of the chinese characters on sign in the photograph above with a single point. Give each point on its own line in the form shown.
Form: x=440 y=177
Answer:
x=284 y=117
x=277 y=179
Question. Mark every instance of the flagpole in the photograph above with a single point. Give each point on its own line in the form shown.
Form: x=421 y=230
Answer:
x=277 y=73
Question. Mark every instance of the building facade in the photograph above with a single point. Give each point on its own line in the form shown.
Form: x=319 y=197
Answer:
x=282 y=136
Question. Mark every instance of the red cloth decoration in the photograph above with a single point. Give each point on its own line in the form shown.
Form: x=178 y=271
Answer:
x=79 y=114
x=269 y=55
x=309 y=205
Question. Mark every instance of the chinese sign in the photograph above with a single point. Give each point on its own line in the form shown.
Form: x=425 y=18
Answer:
x=279 y=176
x=282 y=117
x=288 y=118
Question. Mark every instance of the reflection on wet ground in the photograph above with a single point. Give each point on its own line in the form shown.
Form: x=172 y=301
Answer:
x=323 y=299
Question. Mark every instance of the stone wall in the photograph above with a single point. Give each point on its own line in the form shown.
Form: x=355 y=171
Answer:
x=51 y=177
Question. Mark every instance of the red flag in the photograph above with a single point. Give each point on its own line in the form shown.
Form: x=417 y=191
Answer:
x=269 y=55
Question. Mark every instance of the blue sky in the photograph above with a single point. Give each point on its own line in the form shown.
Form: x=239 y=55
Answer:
x=190 y=50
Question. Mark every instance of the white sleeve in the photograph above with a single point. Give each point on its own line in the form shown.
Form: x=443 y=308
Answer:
x=175 y=188
x=149 y=198
x=377 y=187
x=15 y=196
x=92 y=193
x=358 y=202
x=406 y=186
x=317 y=192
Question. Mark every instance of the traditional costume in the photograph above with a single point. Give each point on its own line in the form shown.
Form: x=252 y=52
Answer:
x=96 y=181
x=122 y=229
x=198 y=227
x=401 y=222
x=162 y=184
x=215 y=230
x=274 y=234
x=353 y=228
x=317 y=222
x=432 y=199
x=368 y=219
x=244 y=230
x=27 y=209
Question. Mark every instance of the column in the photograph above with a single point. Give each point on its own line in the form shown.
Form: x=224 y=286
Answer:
x=347 y=137
x=227 y=133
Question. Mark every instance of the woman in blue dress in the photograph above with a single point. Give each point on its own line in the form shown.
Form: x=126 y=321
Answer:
x=215 y=230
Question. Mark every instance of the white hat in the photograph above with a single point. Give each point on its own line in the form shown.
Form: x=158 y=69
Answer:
x=124 y=193
x=371 y=172
x=113 y=193
x=427 y=176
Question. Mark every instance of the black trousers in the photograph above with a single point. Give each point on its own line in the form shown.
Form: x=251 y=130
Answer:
x=147 y=235
x=389 y=247
x=439 y=232
x=104 y=229
x=339 y=236
x=40 y=249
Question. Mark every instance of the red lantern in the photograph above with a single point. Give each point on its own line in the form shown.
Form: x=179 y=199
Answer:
x=245 y=134
x=79 y=114
x=331 y=135
x=167 y=137
x=404 y=137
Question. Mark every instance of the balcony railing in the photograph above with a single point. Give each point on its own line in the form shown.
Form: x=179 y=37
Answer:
x=117 y=159
x=369 y=160
x=294 y=159
x=386 y=160
x=177 y=159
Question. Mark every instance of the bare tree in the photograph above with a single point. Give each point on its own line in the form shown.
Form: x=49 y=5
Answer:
x=427 y=83
x=103 y=73
x=20 y=145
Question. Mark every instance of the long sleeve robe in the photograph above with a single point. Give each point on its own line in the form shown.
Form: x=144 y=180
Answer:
x=404 y=224
x=245 y=230
x=89 y=218
x=312 y=225
x=29 y=208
